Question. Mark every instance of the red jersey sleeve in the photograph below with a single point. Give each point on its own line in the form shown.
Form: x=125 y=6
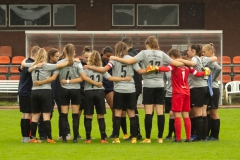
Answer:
x=195 y=72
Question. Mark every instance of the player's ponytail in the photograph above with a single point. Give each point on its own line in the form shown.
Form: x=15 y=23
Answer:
x=41 y=56
x=70 y=51
x=120 y=49
x=94 y=59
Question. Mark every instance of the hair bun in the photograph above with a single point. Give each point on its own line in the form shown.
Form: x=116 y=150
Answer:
x=211 y=44
x=86 y=48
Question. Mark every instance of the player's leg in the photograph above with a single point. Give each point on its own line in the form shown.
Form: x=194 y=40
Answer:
x=159 y=101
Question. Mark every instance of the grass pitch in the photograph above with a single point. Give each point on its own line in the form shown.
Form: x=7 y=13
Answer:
x=12 y=148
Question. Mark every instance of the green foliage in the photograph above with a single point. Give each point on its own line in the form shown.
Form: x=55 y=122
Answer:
x=12 y=148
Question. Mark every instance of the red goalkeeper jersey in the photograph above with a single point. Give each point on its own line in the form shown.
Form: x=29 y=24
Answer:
x=180 y=77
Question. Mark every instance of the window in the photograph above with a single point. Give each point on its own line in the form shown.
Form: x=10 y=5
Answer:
x=157 y=15
x=30 y=15
x=123 y=15
x=3 y=15
x=64 y=15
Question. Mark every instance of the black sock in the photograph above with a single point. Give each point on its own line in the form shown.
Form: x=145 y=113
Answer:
x=75 y=125
x=41 y=130
x=133 y=127
x=59 y=125
x=48 y=129
x=199 y=127
x=209 y=125
x=170 y=127
x=33 y=129
x=117 y=123
x=102 y=128
x=124 y=125
x=193 y=130
x=205 y=127
x=148 y=125
x=137 y=122
x=22 y=127
x=161 y=122
x=64 y=125
x=26 y=127
x=216 y=128
x=88 y=127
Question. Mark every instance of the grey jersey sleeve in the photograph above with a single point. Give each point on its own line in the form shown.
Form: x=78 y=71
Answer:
x=28 y=64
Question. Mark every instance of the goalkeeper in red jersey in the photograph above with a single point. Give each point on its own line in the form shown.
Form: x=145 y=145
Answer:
x=180 y=92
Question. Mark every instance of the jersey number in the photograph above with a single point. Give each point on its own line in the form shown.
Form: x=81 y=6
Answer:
x=123 y=71
x=97 y=79
x=154 y=63
x=67 y=76
x=37 y=72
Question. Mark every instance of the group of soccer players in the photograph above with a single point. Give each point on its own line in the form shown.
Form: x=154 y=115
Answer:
x=85 y=84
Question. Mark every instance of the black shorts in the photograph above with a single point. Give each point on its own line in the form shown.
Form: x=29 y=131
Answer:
x=41 y=100
x=82 y=95
x=25 y=104
x=123 y=101
x=70 y=94
x=199 y=96
x=94 y=98
x=153 y=95
x=214 y=100
x=107 y=91
x=168 y=104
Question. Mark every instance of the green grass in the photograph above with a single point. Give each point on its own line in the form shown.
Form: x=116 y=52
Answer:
x=12 y=148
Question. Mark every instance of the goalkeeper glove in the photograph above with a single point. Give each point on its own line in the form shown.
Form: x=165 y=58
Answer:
x=151 y=68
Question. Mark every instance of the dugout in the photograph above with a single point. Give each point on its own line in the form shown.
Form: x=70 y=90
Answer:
x=97 y=40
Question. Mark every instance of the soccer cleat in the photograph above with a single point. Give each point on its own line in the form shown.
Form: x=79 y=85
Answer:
x=146 y=140
x=168 y=138
x=134 y=140
x=59 y=138
x=103 y=141
x=160 y=140
x=188 y=140
x=64 y=141
x=75 y=141
x=50 y=141
x=125 y=137
x=116 y=140
x=34 y=140
x=69 y=137
x=139 y=137
x=213 y=139
x=25 y=139
x=88 y=141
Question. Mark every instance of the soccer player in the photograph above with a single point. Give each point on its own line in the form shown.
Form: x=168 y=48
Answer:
x=214 y=120
x=199 y=90
x=180 y=94
x=124 y=92
x=24 y=92
x=153 y=87
x=41 y=96
x=138 y=82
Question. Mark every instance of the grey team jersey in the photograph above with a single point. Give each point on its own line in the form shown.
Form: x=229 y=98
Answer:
x=123 y=70
x=43 y=73
x=95 y=76
x=70 y=72
x=196 y=82
x=215 y=71
x=156 y=58
x=168 y=83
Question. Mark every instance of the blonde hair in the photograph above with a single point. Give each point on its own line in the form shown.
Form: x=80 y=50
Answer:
x=70 y=49
x=210 y=47
x=120 y=49
x=41 y=56
x=95 y=59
